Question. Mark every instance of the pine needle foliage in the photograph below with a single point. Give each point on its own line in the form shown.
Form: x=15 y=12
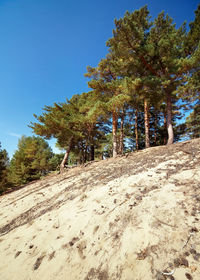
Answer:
x=30 y=161
x=4 y=165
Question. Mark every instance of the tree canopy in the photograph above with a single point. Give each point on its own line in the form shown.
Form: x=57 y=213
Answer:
x=30 y=161
x=4 y=164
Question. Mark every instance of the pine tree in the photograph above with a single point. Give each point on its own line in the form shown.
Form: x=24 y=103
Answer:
x=193 y=122
x=59 y=121
x=154 y=53
x=4 y=163
x=189 y=91
x=30 y=161
x=129 y=39
x=107 y=83
x=72 y=125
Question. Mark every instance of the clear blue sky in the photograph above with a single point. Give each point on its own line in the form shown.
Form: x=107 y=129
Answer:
x=45 y=46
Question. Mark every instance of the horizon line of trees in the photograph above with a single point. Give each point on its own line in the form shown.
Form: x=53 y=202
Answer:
x=139 y=92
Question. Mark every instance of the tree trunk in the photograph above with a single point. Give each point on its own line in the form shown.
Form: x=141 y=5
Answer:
x=155 y=128
x=114 y=132
x=85 y=153
x=146 y=123
x=169 y=120
x=92 y=152
x=136 y=130
x=91 y=141
x=121 y=139
x=66 y=156
x=165 y=128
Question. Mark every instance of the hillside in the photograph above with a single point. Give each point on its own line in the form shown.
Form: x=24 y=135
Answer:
x=135 y=217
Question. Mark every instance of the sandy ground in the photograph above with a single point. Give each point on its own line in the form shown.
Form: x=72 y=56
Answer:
x=136 y=217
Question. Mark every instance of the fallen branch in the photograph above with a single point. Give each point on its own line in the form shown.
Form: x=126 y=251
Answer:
x=188 y=239
x=164 y=223
x=116 y=207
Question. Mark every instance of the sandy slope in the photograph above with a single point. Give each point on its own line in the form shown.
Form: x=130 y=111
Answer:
x=130 y=218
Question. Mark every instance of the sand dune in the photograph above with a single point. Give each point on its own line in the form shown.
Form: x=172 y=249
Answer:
x=136 y=217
